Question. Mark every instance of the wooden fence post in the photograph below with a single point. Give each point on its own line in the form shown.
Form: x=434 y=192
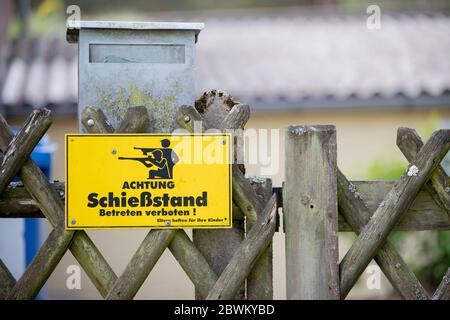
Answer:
x=219 y=245
x=310 y=213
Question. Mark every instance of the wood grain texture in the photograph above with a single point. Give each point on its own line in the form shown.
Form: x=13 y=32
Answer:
x=424 y=213
x=42 y=265
x=409 y=142
x=50 y=203
x=234 y=123
x=243 y=194
x=189 y=118
x=16 y=202
x=136 y=120
x=443 y=290
x=23 y=144
x=7 y=280
x=310 y=213
x=99 y=123
x=236 y=118
x=398 y=200
x=246 y=255
x=260 y=279
x=141 y=264
x=193 y=263
x=352 y=207
x=218 y=247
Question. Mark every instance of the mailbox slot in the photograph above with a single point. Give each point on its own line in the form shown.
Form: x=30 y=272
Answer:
x=136 y=53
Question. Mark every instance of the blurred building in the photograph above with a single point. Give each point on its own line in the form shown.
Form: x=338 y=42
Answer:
x=290 y=68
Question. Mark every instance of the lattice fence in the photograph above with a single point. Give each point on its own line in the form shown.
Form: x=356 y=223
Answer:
x=316 y=192
x=213 y=277
x=318 y=201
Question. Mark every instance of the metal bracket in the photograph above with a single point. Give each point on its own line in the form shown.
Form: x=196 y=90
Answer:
x=279 y=193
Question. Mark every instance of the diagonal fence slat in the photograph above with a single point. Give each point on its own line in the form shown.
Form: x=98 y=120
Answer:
x=391 y=263
x=260 y=279
x=388 y=213
x=148 y=254
x=246 y=255
x=140 y=265
x=193 y=263
x=443 y=290
x=7 y=280
x=409 y=142
x=82 y=247
x=135 y=120
x=23 y=144
x=51 y=205
x=94 y=121
x=245 y=197
x=42 y=265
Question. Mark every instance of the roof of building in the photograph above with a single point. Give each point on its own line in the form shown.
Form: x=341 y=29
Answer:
x=272 y=63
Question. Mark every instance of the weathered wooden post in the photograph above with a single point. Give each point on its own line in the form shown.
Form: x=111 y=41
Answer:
x=219 y=245
x=310 y=213
x=216 y=109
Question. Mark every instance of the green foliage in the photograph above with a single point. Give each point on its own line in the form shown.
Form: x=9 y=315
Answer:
x=384 y=168
x=437 y=249
x=14 y=28
x=431 y=124
x=47 y=18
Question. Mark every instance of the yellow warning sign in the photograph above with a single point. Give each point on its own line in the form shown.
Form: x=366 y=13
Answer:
x=121 y=181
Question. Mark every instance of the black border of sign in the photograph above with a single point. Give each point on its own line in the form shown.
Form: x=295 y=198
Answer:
x=230 y=193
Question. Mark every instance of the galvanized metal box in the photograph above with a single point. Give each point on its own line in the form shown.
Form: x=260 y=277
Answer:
x=123 y=64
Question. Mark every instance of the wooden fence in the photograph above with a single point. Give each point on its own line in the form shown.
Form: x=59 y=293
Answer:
x=318 y=201
x=222 y=264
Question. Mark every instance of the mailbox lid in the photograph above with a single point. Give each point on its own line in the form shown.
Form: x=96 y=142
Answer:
x=73 y=27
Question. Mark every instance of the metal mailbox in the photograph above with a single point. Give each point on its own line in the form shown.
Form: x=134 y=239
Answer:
x=123 y=64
